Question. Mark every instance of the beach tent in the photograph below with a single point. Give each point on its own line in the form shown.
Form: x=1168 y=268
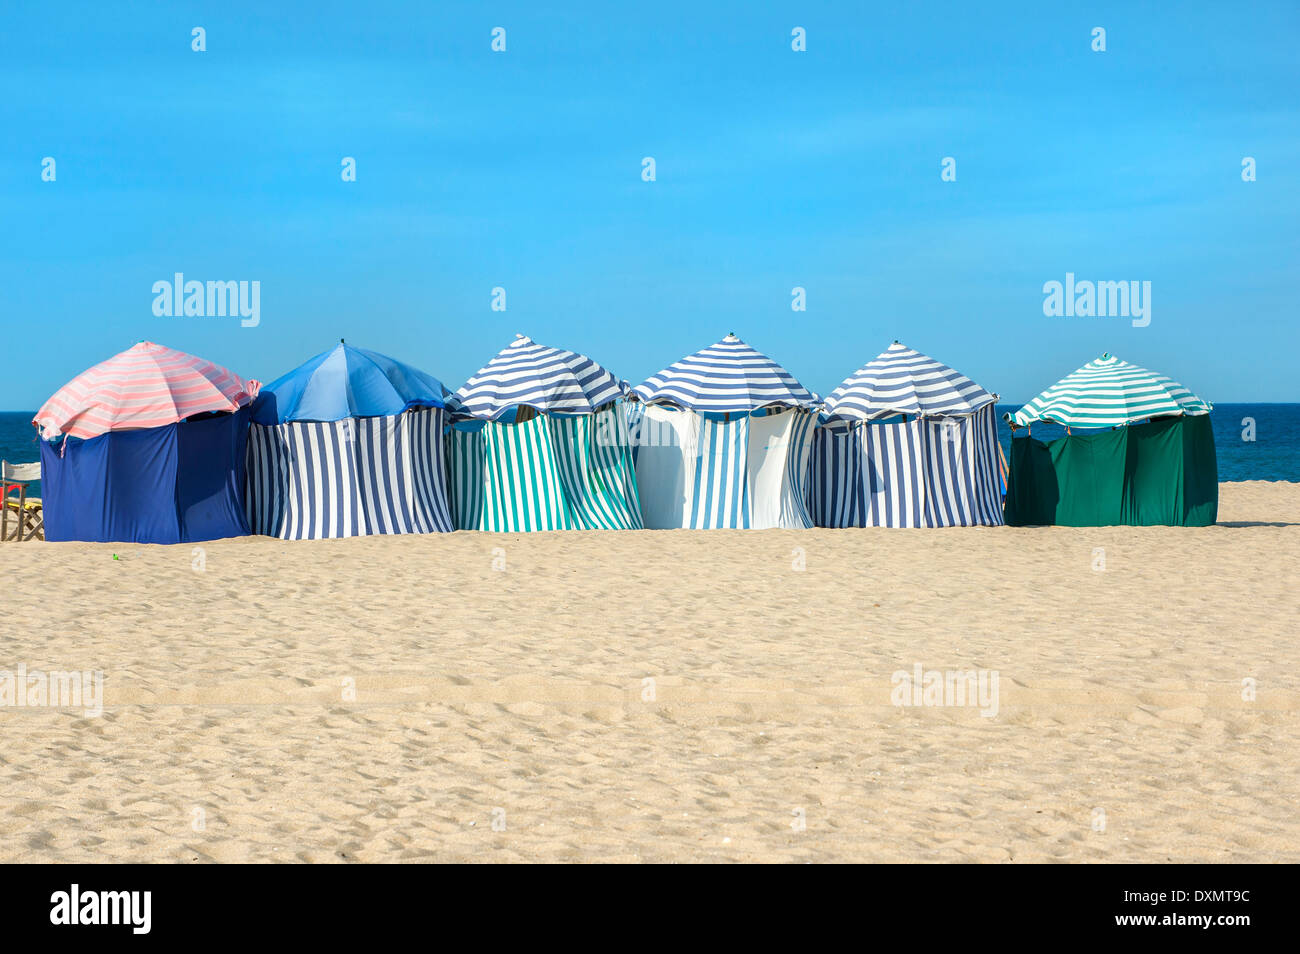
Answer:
x=1121 y=472
x=348 y=444
x=722 y=440
x=907 y=442
x=541 y=443
x=146 y=447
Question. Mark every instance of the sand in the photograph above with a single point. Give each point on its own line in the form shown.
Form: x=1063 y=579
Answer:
x=476 y=697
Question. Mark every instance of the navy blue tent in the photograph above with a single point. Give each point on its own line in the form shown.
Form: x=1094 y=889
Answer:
x=146 y=447
x=181 y=483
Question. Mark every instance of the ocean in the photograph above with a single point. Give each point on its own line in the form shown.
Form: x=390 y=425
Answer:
x=1274 y=454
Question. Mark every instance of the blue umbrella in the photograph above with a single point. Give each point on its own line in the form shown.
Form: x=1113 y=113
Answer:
x=346 y=382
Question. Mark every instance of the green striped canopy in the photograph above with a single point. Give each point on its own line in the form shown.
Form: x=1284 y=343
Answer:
x=1108 y=392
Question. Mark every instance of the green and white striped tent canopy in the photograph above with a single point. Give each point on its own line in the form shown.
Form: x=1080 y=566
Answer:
x=1108 y=392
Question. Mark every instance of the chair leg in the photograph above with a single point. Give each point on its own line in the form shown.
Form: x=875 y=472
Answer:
x=22 y=510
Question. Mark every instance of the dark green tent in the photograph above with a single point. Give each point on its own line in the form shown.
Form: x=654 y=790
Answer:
x=1162 y=472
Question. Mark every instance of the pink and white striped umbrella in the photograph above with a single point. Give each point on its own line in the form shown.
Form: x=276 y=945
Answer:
x=148 y=385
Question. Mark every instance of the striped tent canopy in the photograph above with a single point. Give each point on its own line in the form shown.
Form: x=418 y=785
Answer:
x=905 y=381
x=145 y=386
x=550 y=380
x=1108 y=392
x=728 y=377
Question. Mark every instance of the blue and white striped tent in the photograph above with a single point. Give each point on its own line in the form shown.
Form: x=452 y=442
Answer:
x=567 y=468
x=723 y=439
x=348 y=444
x=874 y=467
x=527 y=374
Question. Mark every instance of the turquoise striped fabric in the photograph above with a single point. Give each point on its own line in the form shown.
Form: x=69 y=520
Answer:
x=465 y=486
x=596 y=470
x=522 y=488
x=548 y=473
x=1108 y=392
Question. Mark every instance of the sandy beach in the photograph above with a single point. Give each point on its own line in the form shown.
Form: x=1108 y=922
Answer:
x=478 y=697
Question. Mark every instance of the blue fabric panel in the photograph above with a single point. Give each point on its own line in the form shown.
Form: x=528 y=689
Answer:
x=118 y=487
x=210 y=475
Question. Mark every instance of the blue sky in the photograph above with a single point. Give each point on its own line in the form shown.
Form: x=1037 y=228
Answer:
x=522 y=169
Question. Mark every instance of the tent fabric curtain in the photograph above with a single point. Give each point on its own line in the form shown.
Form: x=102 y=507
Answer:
x=1161 y=473
x=664 y=446
x=465 y=483
x=180 y=483
x=719 y=485
x=522 y=490
x=211 y=462
x=595 y=461
x=893 y=463
x=705 y=474
x=964 y=486
x=547 y=473
x=837 y=489
x=934 y=472
x=310 y=480
x=778 y=452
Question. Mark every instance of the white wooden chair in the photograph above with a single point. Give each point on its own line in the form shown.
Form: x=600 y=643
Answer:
x=28 y=514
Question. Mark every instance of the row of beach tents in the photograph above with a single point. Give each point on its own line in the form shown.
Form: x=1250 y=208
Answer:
x=158 y=446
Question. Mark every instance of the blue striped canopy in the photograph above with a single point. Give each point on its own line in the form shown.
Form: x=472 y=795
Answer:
x=904 y=381
x=728 y=377
x=346 y=382
x=551 y=380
